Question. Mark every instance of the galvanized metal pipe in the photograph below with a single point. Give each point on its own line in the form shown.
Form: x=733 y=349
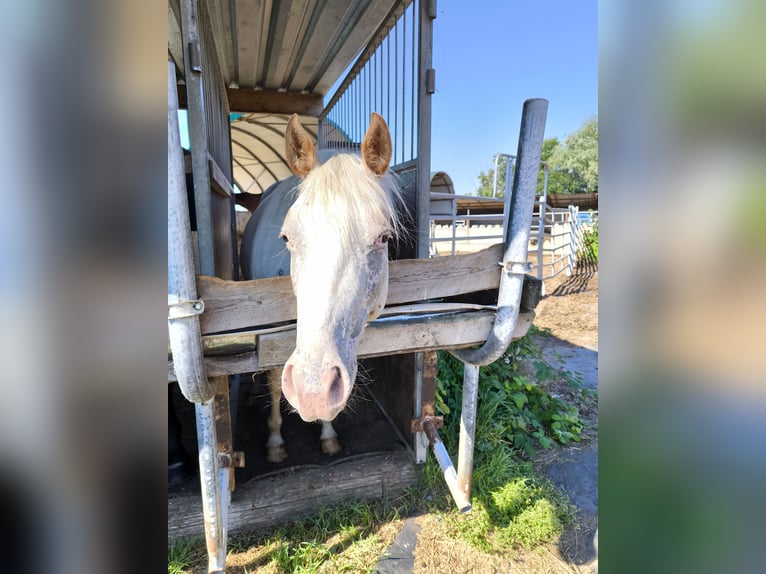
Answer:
x=467 y=429
x=445 y=463
x=517 y=241
x=186 y=343
x=183 y=322
x=214 y=483
x=198 y=134
x=541 y=229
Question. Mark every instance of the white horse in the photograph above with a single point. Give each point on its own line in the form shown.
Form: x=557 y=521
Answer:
x=336 y=223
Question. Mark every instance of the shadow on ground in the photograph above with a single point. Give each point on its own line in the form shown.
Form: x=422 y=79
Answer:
x=578 y=282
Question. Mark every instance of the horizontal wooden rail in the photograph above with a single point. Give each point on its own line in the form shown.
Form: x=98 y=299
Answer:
x=390 y=336
x=234 y=305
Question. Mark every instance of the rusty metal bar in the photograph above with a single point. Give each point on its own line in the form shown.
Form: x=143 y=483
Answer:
x=445 y=463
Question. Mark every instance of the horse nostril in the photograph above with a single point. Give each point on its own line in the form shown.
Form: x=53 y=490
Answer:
x=336 y=387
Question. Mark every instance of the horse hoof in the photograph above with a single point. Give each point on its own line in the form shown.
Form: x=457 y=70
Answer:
x=330 y=446
x=276 y=454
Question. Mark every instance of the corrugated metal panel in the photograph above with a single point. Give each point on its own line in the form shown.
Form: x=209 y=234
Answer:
x=282 y=47
x=294 y=46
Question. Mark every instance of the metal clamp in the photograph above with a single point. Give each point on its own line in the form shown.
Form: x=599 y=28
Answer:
x=181 y=309
x=516 y=267
x=417 y=425
x=233 y=460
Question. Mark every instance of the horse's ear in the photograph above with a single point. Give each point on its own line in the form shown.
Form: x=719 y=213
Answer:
x=376 y=146
x=301 y=155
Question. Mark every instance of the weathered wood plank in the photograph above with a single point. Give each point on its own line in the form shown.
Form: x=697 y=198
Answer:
x=269 y=501
x=231 y=305
x=395 y=337
x=273 y=102
x=390 y=337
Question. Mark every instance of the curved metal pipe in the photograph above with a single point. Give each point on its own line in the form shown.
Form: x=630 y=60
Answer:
x=183 y=307
x=517 y=239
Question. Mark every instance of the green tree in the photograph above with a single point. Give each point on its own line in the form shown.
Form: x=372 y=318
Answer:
x=572 y=165
x=577 y=159
x=486 y=179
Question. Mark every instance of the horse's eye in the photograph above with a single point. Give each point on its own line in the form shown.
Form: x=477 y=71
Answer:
x=382 y=239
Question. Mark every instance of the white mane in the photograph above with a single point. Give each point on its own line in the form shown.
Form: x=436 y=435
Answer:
x=351 y=198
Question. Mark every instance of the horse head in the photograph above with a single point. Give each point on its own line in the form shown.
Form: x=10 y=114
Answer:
x=337 y=232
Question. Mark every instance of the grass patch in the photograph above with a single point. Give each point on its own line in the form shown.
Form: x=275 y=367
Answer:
x=512 y=506
x=350 y=537
x=183 y=554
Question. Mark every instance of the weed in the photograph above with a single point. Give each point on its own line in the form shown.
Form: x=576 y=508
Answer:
x=512 y=408
x=183 y=553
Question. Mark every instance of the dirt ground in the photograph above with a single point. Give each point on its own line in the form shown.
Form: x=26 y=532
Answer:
x=570 y=308
x=570 y=311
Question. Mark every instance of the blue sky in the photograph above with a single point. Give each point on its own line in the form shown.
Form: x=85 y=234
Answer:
x=489 y=57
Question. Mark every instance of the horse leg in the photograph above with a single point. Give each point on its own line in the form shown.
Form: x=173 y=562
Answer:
x=329 y=439
x=275 y=446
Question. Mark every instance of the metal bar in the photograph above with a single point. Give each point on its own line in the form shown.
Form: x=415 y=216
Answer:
x=213 y=483
x=541 y=230
x=412 y=83
x=418 y=443
x=507 y=193
x=184 y=331
x=467 y=429
x=425 y=61
x=445 y=463
x=517 y=240
x=198 y=139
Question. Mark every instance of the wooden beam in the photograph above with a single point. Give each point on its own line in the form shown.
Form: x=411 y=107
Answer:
x=390 y=337
x=231 y=305
x=282 y=497
x=267 y=101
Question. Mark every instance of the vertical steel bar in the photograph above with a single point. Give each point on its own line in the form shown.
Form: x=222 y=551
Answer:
x=198 y=135
x=404 y=82
x=388 y=83
x=186 y=344
x=541 y=229
x=212 y=486
x=396 y=90
x=467 y=429
x=425 y=59
x=422 y=222
x=413 y=85
x=507 y=193
x=420 y=453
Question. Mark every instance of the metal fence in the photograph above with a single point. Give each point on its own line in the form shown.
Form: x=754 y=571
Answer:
x=384 y=79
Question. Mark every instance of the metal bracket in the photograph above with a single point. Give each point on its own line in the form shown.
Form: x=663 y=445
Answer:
x=233 y=460
x=430 y=81
x=181 y=309
x=416 y=425
x=516 y=267
x=195 y=64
